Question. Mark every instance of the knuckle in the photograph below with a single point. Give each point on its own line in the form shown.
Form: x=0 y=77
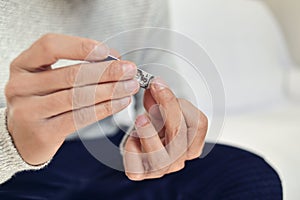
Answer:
x=10 y=90
x=114 y=70
x=203 y=122
x=161 y=171
x=58 y=101
x=84 y=116
x=167 y=95
x=159 y=165
x=176 y=167
x=194 y=154
x=110 y=88
x=46 y=42
x=19 y=113
x=107 y=108
x=81 y=97
x=15 y=63
x=70 y=76
x=47 y=38
x=181 y=166
x=47 y=105
x=75 y=98
x=158 y=175
x=86 y=47
x=67 y=100
x=135 y=176
x=34 y=109
x=15 y=87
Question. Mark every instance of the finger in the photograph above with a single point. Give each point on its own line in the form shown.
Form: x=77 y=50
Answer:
x=134 y=162
x=114 y=53
x=72 y=121
x=148 y=136
x=157 y=157
x=153 y=109
x=133 y=159
x=171 y=109
x=175 y=128
x=76 y=98
x=178 y=165
x=52 y=47
x=149 y=102
x=197 y=124
x=74 y=76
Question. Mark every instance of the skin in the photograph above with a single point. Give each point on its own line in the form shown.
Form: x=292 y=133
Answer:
x=152 y=152
x=42 y=102
x=45 y=105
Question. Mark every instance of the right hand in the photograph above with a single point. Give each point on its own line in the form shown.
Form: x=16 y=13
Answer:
x=42 y=102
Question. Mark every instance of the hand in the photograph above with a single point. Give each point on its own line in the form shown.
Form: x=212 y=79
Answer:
x=171 y=132
x=42 y=102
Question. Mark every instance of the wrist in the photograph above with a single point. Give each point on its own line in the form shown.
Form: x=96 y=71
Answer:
x=11 y=161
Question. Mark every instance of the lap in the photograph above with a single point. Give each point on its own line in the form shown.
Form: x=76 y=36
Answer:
x=225 y=173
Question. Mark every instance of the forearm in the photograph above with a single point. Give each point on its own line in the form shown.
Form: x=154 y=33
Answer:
x=10 y=160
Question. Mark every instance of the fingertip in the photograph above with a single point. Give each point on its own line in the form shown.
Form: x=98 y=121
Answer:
x=161 y=91
x=158 y=84
x=124 y=102
x=99 y=51
x=114 y=53
x=102 y=50
x=129 y=69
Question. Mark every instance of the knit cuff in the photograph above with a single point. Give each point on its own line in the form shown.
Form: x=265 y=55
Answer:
x=10 y=160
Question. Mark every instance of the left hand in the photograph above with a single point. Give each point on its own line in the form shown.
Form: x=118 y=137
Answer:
x=171 y=132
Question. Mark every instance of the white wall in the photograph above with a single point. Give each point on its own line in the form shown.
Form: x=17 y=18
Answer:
x=288 y=14
x=244 y=40
x=247 y=44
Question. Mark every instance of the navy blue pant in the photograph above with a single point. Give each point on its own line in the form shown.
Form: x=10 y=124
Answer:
x=226 y=173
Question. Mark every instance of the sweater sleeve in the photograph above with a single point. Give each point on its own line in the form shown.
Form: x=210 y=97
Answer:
x=10 y=160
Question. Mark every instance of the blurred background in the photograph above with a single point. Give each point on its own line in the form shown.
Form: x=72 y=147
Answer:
x=255 y=45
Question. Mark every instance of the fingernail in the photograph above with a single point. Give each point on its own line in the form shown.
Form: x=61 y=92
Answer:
x=158 y=84
x=141 y=121
x=129 y=70
x=131 y=85
x=100 y=52
x=124 y=101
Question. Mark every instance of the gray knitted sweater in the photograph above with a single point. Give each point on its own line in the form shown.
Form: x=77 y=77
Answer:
x=23 y=22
